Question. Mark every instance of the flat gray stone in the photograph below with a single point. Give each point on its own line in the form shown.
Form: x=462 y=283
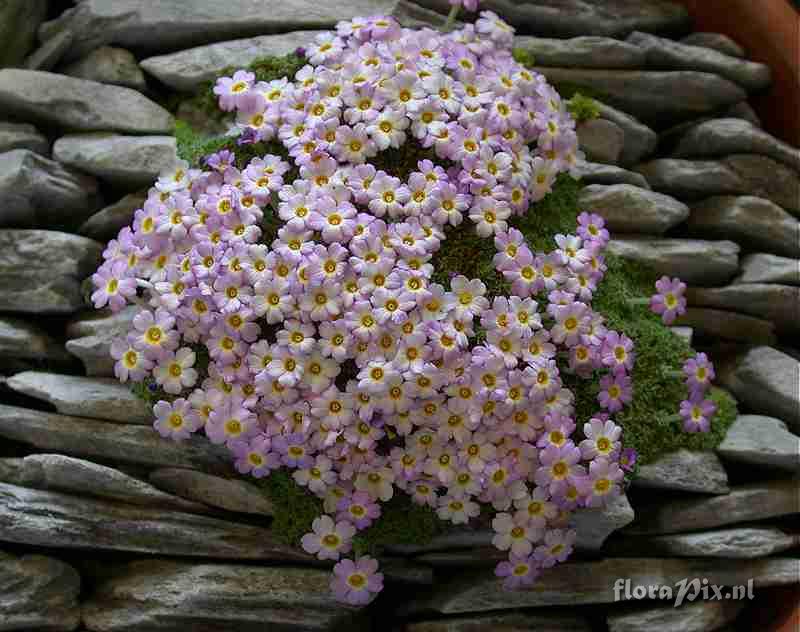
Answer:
x=753 y=222
x=761 y=268
x=50 y=52
x=684 y=332
x=769 y=301
x=107 y=222
x=582 y=52
x=126 y=161
x=667 y=54
x=165 y=595
x=233 y=494
x=19 y=20
x=718 y=323
x=595 y=173
x=22 y=339
x=640 y=140
x=695 y=261
x=766 y=380
x=56 y=472
x=654 y=97
x=91 y=335
x=686 y=471
x=725 y=136
x=691 y=179
x=95 y=354
x=119 y=443
x=755 y=501
x=594 y=526
x=156 y=26
x=39 y=593
x=411 y=15
x=629 y=209
x=22 y=136
x=743 y=110
x=43 y=518
x=188 y=69
x=716 y=41
x=79 y=105
x=41 y=270
x=569 y=18
x=550 y=621
x=96 y=398
x=697 y=616
x=108 y=64
x=592 y=582
x=759 y=440
x=766 y=178
x=38 y=192
x=601 y=140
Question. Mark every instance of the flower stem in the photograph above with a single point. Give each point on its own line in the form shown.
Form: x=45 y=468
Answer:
x=451 y=18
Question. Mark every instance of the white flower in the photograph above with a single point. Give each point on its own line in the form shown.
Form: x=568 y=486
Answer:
x=328 y=540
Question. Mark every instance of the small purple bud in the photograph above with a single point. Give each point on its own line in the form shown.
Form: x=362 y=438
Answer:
x=300 y=51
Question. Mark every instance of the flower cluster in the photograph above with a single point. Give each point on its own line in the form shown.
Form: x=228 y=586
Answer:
x=331 y=350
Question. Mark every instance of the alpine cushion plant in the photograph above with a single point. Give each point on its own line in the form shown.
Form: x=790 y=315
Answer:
x=292 y=311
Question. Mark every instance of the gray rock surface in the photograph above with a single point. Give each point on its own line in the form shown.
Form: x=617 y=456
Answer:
x=770 y=301
x=50 y=52
x=94 y=353
x=188 y=69
x=38 y=192
x=727 y=325
x=79 y=105
x=766 y=381
x=667 y=54
x=640 y=140
x=19 y=20
x=56 y=472
x=601 y=140
x=163 y=595
x=686 y=471
x=22 y=136
x=745 y=111
x=594 y=526
x=412 y=15
x=725 y=136
x=233 y=494
x=550 y=621
x=41 y=270
x=653 y=97
x=766 y=178
x=629 y=209
x=684 y=332
x=41 y=518
x=108 y=64
x=759 y=440
x=119 y=443
x=39 y=593
x=91 y=334
x=165 y=25
x=595 y=173
x=22 y=339
x=716 y=41
x=125 y=161
x=753 y=222
x=754 y=501
x=699 y=616
x=695 y=261
x=761 y=268
x=581 y=52
x=96 y=398
x=107 y=222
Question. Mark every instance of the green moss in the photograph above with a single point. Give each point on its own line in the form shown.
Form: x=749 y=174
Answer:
x=401 y=522
x=524 y=57
x=295 y=506
x=583 y=108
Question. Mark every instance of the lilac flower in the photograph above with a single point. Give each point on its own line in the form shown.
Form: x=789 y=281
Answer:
x=358 y=509
x=699 y=372
x=627 y=459
x=328 y=540
x=615 y=391
x=519 y=571
x=669 y=302
x=176 y=420
x=556 y=547
x=356 y=583
x=113 y=286
x=697 y=413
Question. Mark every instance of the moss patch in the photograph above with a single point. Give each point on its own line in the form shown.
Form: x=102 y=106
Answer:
x=583 y=108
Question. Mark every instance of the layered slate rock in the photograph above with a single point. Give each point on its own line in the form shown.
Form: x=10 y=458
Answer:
x=119 y=443
x=729 y=325
x=751 y=221
x=698 y=616
x=770 y=301
x=595 y=173
x=84 y=396
x=767 y=178
x=108 y=64
x=232 y=494
x=582 y=52
x=165 y=25
x=576 y=583
x=725 y=136
x=107 y=222
x=684 y=470
x=38 y=593
x=164 y=595
x=601 y=140
x=21 y=339
x=755 y=501
x=90 y=338
x=640 y=140
x=630 y=209
x=568 y=18
x=550 y=621
x=594 y=526
x=41 y=270
x=654 y=97
x=763 y=441
x=19 y=20
x=766 y=380
x=79 y=105
x=56 y=472
x=716 y=41
x=50 y=52
x=695 y=261
x=38 y=192
x=761 y=268
x=22 y=136
x=126 y=161
x=667 y=54
x=41 y=518
x=188 y=69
